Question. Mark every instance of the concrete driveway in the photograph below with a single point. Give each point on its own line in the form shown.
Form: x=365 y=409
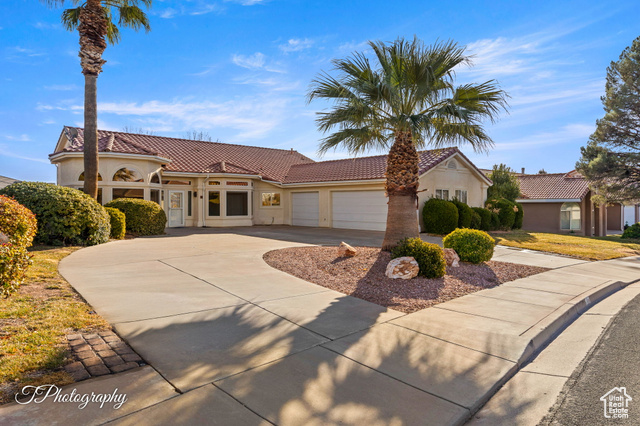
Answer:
x=232 y=341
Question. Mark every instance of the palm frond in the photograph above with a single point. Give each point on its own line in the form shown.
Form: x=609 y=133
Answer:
x=356 y=140
x=71 y=18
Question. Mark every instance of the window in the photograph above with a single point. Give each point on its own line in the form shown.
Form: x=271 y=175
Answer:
x=461 y=195
x=231 y=183
x=237 y=204
x=214 y=182
x=81 y=177
x=270 y=199
x=442 y=194
x=127 y=175
x=452 y=165
x=214 y=203
x=570 y=216
x=176 y=182
x=155 y=178
x=127 y=193
x=155 y=195
x=99 y=199
x=189 y=203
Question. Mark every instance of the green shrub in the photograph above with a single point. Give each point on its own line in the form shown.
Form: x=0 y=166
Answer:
x=465 y=213
x=118 y=223
x=439 y=216
x=506 y=211
x=65 y=215
x=519 y=217
x=430 y=257
x=17 y=222
x=142 y=217
x=476 y=220
x=471 y=245
x=485 y=217
x=14 y=261
x=632 y=231
x=495 y=221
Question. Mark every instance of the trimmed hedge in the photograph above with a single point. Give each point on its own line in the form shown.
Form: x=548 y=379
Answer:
x=439 y=216
x=519 y=217
x=118 y=223
x=506 y=211
x=476 y=220
x=632 y=231
x=465 y=214
x=18 y=226
x=142 y=217
x=485 y=218
x=65 y=215
x=495 y=221
x=471 y=245
x=430 y=257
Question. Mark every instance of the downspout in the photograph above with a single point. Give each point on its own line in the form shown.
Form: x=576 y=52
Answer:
x=204 y=208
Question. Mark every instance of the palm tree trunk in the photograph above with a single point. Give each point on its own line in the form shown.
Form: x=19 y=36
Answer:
x=402 y=187
x=92 y=29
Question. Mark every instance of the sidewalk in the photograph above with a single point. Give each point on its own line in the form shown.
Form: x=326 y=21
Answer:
x=245 y=344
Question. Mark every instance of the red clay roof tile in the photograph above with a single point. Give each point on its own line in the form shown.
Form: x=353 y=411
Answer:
x=553 y=186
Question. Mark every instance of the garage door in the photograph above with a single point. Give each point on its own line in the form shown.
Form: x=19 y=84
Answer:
x=306 y=208
x=359 y=210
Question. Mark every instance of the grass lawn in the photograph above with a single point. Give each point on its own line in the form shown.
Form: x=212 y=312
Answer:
x=34 y=323
x=591 y=248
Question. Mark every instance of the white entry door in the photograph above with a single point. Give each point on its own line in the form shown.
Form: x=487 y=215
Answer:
x=176 y=208
x=359 y=210
x=306 y=209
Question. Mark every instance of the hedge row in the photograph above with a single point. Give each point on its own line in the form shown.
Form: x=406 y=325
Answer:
x=443 y=217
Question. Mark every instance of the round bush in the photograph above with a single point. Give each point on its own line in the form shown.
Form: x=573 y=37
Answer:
x=476 y=220
x=495 y=221
x=465 y=214
x=65 y=215
x=506 y=211
x=471 y=245
x=519 y=217
x=439 y=216
x=118 y=223
x=430 y=257
x=142 y=217
x=14 y=261
x=17 y=222
x=632 y=231
x=485 y=217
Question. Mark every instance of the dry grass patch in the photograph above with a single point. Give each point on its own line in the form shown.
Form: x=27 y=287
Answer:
x=34 y=323
x=590 y=248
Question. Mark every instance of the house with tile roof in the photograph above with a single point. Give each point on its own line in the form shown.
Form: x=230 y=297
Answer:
x=561 y=202
x=6 y=181
x=216 y=184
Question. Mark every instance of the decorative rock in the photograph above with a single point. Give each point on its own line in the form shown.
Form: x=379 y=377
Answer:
x=345 y=250
x=402 y=267
x=451 y=257
x=4 y=238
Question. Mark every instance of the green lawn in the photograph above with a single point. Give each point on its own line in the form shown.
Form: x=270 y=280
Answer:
x=591 y=248
x=34 y=323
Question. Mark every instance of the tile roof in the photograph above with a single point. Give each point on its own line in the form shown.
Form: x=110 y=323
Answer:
x=195 y=156
x=6 y=181
x=359 y=168
x=551 y=186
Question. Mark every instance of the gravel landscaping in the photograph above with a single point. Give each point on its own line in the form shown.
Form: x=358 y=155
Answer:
x=363 y=276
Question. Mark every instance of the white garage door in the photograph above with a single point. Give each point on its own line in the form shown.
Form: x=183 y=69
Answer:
x=306 y=209
x=359 y=210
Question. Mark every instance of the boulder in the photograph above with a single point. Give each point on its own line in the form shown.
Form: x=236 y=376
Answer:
x=451 y=257
x=4 y=238
x=345 y=250
x=402 y=267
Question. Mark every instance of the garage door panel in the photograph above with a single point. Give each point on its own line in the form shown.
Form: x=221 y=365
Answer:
x=365 y=210
x=306 y=209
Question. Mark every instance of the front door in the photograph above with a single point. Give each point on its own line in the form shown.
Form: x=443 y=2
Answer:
x=176 y=208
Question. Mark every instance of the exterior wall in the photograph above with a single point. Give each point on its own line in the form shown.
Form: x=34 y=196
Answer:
x=270 y=215
x=614 y=217
x=542 y=217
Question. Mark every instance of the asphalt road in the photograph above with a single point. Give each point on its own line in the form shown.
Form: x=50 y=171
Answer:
x=613 y=362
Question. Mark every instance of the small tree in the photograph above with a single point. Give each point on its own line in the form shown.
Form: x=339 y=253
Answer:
x=611 y=159
x=505 y=183
x=196 y=135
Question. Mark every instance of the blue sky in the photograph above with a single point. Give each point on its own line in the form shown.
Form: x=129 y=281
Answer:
x=240 y=69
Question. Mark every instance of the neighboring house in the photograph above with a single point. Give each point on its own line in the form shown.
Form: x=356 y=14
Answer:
x=215 y=184
x=5 y=181
x=561 y=202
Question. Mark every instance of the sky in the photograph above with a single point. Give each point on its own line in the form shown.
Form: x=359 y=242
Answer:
x=239 y=70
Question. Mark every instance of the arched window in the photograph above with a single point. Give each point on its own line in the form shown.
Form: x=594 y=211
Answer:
x=81 y=177
x=155 y=178
x=570 y=216
x=452 y=164
x=127 y=175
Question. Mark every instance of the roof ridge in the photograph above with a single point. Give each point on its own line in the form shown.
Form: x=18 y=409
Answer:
x=373 y=156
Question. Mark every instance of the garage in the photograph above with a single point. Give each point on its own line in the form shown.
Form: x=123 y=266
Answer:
x=306 y=209
x=359 y=210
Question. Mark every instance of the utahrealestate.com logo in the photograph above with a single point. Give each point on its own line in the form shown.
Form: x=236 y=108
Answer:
x=616 y=403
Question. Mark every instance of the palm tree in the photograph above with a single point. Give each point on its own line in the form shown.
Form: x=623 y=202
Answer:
x=407 y=101
x=94 y=20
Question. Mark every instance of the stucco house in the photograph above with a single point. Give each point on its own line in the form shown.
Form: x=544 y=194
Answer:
x=215 y=184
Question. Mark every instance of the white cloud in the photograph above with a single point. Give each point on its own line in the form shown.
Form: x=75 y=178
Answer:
x=47 y=26
x=254 y=61
x=62 y=87
x=247 y=2
x=22 y=138
x=567 y=134
x=207 y=8
x=167 y=13
x=296 y=44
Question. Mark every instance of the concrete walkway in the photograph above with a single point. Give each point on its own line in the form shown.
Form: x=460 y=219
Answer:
x=232 y=341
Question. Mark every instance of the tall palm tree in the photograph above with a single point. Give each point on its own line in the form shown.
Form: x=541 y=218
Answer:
x=94 y=20
x=407 y=101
